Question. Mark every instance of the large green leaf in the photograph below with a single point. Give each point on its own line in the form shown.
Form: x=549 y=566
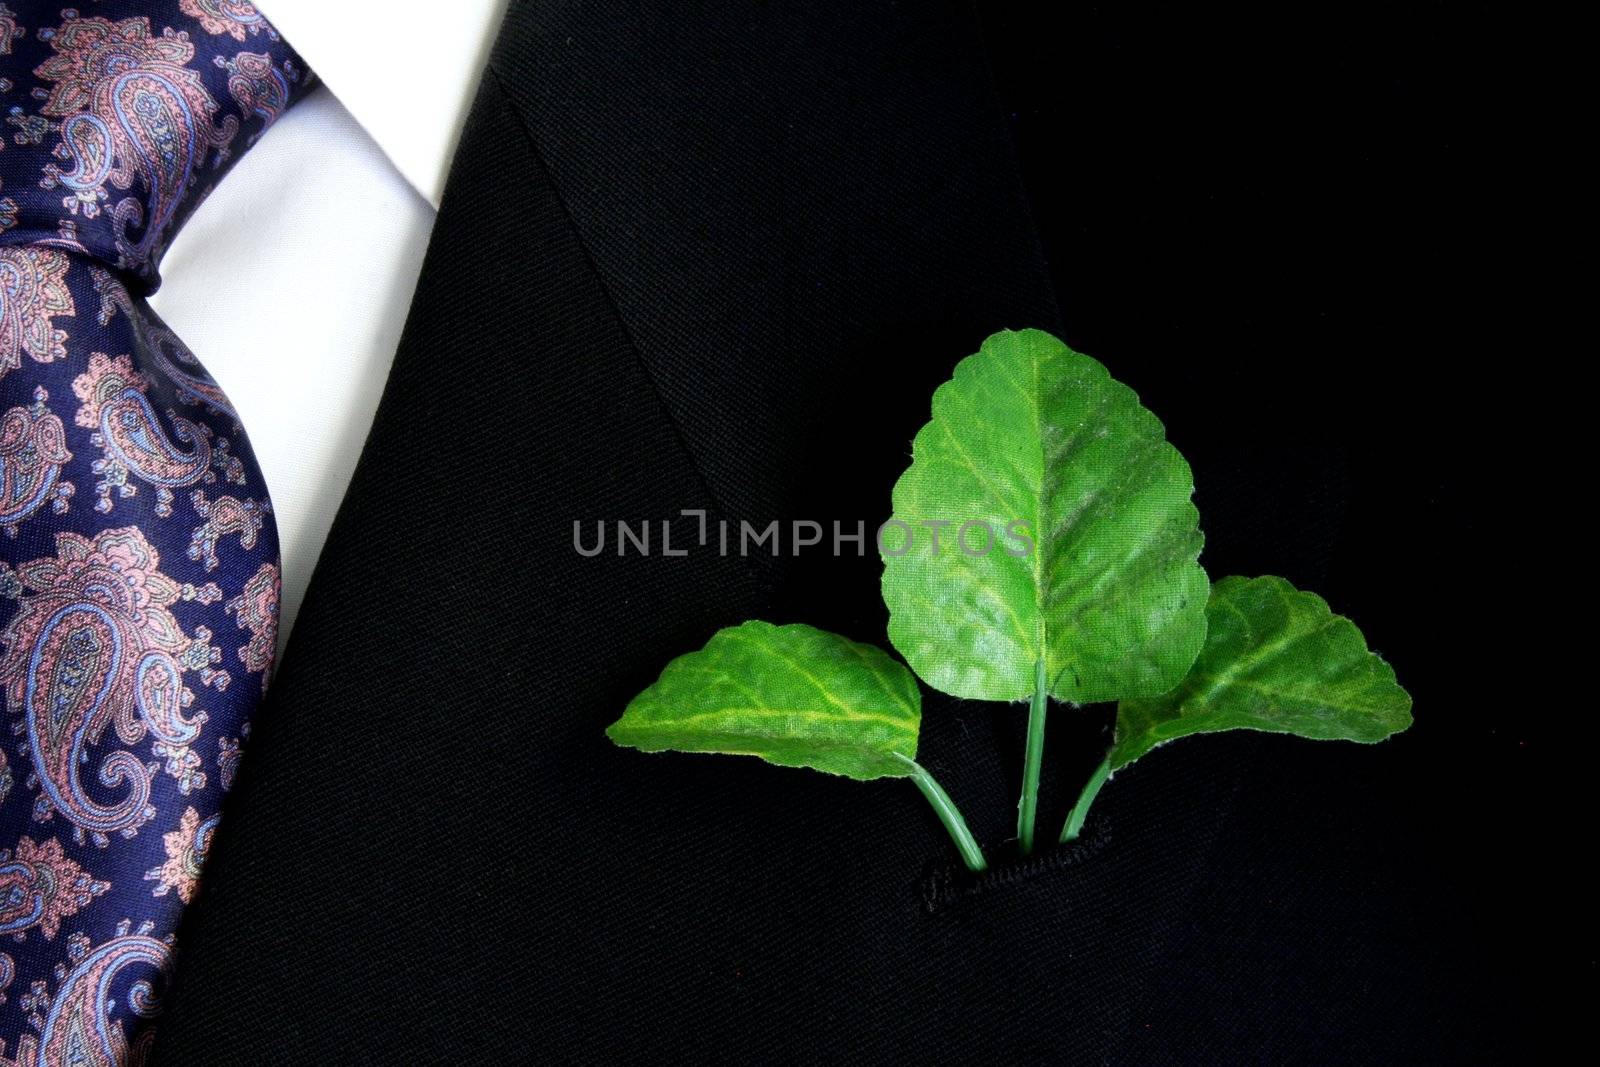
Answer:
x=1110 y=596
x=1276 y=659
x=792 y=695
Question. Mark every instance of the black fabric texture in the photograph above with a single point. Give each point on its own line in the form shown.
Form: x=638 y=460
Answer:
x=716 y=256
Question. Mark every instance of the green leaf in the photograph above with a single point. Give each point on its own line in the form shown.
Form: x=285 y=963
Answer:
x=792 y=695
x=1042 y=445
x=1276 y=659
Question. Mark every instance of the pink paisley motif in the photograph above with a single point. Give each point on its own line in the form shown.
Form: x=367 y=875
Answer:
x=131 y=432
x=113 y=296
x=228 y=753
x=69 y=697
x=186 y=847
x=225 y=515
x=33 y=293
x=78 y=659
x=258 y=87
x=232 y=17
x=92 y=52
x=256 y=610
x=33 y=446
x=40 y=886
x=10 y=31
x=130 y=107
x=104 y=382
x=161 y=697
x=79 y=1030
x=131 y=435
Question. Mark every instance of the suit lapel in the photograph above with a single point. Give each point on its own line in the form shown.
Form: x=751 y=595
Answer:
x=796 y=259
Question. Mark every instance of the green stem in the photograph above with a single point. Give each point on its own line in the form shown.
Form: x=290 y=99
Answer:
x=948 y=814
x=1080 y=810
x=1032 y=757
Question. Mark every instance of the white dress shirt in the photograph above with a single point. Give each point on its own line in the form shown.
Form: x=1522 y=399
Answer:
x=292 y=281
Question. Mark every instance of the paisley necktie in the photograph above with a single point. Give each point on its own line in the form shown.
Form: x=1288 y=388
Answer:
x=138 y=558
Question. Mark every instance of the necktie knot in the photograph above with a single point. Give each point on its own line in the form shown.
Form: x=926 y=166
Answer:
x=121 y=122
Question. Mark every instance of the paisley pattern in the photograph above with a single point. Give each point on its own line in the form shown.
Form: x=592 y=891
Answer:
x=186 y=854
x=9 y=29
x=226 y=16
x=256 y=85
x=132 y=111
x=40 y=886
x=33 y=291
x=76 y=1025
x=139 y=575
x=256 y=609
x=96 y=646
x=33 y=449
x=133 y=440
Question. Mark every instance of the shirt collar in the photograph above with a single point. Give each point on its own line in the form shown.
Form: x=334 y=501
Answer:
x=406 y=69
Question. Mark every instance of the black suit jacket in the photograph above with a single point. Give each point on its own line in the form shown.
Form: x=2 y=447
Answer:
x=716 y=256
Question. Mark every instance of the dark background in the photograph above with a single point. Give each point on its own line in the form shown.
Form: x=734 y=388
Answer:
x=720 y=255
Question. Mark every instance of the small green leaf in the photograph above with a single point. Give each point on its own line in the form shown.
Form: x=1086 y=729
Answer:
x=1041 y=445
x=1275 y=659
x=792 y=695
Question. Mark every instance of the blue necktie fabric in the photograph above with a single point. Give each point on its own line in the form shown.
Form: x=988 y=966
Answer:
x=139 y=568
